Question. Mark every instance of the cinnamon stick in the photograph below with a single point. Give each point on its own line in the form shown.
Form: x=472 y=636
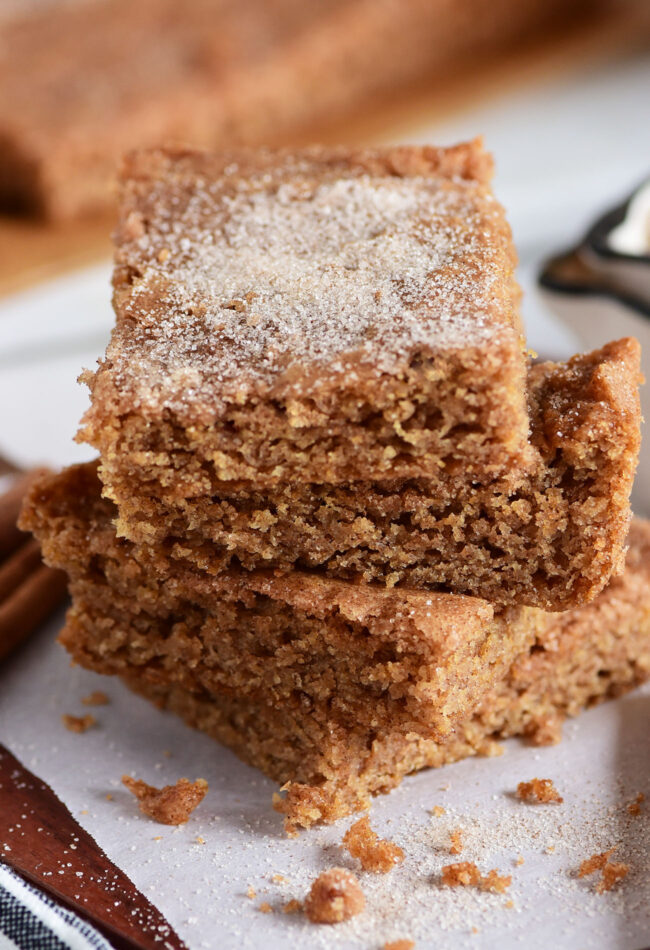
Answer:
x=29 y=591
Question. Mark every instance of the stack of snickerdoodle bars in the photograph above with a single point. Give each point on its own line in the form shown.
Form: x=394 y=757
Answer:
x=340 y=521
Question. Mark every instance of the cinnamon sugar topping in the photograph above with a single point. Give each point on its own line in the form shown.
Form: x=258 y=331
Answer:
x=302 y=265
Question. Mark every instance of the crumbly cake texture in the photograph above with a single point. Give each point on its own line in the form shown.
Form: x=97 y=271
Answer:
x=332 y=766
x=583 y=656
x=323 y=315
x=207 y=73
x=367 y=653
x=548 y=538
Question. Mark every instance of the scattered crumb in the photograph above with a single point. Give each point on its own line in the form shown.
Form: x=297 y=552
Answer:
x=265 y=908
x=163 y=254
x=167 y=753
x=84 y=811
x=292 y=907
x=109 y=797
x=540 y=791
x=374 y=853
x=437 y=811
x=399 y=945
x=595 y=863
x=634 y=807
x=475 y=930
x=98 y=698
x=335 y=896
x=171 y=805
x=463 y=874
x=158 y=838
x=495 y=882
x=550 y=849
x=519 y=861
x=456 y=838
x=466 y=874
x=78 y=723
x=251 y=892
x=509 y=904
x=279 y=879
x=200 y=840
x=613 y=872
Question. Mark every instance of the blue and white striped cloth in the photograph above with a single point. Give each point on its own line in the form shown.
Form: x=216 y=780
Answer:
x=31 y=921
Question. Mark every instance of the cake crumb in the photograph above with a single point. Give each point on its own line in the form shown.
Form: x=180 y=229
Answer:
x=519 y=861
x=613 y=872
x=292 y=907
x=404 y=944
x=375 y=854
x=495 y=882
x=251 y=892
x=466 y=874
x=463 y=874
x=634 y=808
x=171 y=805
x=456 y=839
x=78 y=724
x=279 y=879
x=97 y=698
x=595 y=863
x=335 y=896
x=265 y=908
x=550 y=849
x=200 y=840
x=158 y=838
x=539 y=791
x=438 y=811
x=509 y=904
x=109 y=797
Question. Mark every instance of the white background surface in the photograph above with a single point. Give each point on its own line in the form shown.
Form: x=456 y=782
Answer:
x=563 y=153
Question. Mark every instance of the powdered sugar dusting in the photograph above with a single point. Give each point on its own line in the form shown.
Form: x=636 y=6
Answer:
x=236 y=286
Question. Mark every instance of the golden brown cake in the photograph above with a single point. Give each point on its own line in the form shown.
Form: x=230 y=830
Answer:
x=292 y=639
x=317 y=363
x=333 y=761
x=318 y=315
x=580 y=657
x=549 y=538
x=209 y=72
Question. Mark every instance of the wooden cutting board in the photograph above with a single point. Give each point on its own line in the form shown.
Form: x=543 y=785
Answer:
x=31 y=251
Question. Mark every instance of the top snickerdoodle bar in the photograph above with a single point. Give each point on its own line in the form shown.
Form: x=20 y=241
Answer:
x=328 y=315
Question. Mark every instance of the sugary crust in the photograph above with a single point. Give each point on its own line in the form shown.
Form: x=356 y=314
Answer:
x=369 y=652
x=351 y=312
x=550 y=537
